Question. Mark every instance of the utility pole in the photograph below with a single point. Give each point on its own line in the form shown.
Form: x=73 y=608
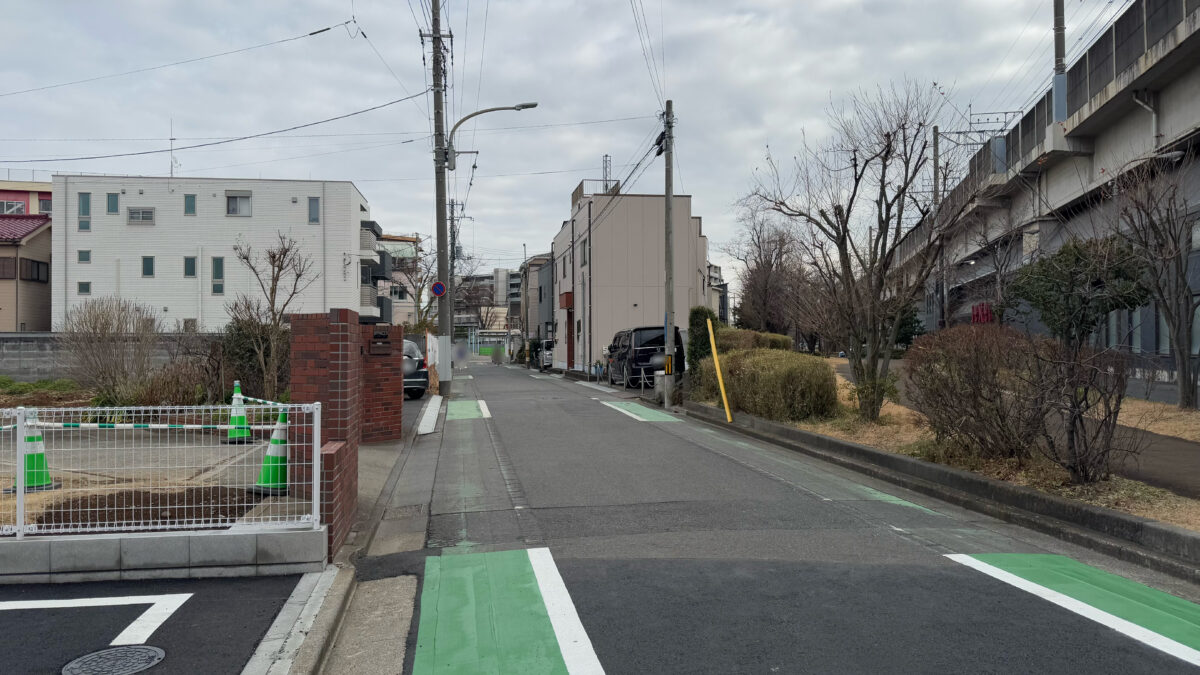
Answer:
x=451 y=287
x=525 y=305
x=446 y=302
x=669 y=194
x=943 y=320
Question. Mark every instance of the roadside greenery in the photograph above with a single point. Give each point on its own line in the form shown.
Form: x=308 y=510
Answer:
x=778 y=385
x=10 y=387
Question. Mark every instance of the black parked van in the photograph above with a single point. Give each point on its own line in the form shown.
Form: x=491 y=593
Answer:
x=631 y=351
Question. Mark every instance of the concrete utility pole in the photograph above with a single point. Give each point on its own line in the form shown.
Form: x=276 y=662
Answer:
x=446 y=302
x=669 y=194
x=525 y=305
x=1060 y=38
x=944 y=319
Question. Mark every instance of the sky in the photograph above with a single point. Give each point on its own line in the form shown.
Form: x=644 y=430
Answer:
x=744 y=75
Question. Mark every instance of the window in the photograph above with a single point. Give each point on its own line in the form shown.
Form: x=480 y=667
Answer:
x=85 y=204
x=34 y=270
x=147 y=265
x=85 y=226
x=141 y=216
x=218 y=276
x=84 y=288
x=83 y=256
x=45 y=205
x=12 y=208
x=8 y=268
x=237 y=203
x=189 y=205
x=314 y=209
x=399 y=292
x=113 y=203
x=189 y=266
x=1164 y=340
x=583 y=253
x=1135 y=331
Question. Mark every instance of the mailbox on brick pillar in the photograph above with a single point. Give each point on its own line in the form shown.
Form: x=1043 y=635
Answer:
x=382 y=383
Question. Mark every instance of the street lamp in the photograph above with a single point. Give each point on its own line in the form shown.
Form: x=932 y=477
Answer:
x=444 y=158
x=451 y=155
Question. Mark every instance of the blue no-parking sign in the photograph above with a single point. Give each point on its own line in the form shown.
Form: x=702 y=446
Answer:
x=438 y=288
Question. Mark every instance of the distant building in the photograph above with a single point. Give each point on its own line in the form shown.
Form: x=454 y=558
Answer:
x=169 y=243
x=24 y=272
x=25 y=198
x=610 y=269
x=718 y=293
x=526 y=319
x=406 y=253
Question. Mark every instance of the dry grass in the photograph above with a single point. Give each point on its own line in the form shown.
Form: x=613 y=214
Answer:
x=1161 y=418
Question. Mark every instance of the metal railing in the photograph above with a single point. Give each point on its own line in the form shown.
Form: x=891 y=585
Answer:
x=137 y=469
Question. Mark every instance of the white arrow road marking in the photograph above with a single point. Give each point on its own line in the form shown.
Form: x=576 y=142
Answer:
x=161 y=609
x=483 y=409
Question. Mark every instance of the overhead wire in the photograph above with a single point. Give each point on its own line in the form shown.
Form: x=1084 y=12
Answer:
x=174 y=63
x=221 y=142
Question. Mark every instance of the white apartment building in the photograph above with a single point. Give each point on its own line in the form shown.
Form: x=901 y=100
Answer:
x=609 y=268
x=169 y=243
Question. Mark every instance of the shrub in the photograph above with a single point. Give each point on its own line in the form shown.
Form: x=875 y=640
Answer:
x=730 y=339
x=773 y=384
x=976 y=386
x=110 y=345
x=698 y=347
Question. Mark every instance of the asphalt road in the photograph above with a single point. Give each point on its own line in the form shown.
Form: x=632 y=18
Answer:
x=214 y=630
x=686 y=549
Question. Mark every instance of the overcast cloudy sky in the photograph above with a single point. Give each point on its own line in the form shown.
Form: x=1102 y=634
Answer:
x=743 y=74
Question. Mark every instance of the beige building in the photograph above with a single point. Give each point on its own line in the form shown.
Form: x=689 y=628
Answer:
x=609 y=269
x=24 y=273
x=25 y=198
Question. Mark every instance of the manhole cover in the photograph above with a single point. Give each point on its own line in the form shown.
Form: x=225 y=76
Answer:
x=115 y=661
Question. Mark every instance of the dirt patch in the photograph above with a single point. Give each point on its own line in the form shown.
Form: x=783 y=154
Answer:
x=78 y=398
x=191 y=507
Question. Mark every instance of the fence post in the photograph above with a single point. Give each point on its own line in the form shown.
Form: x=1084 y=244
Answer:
x=19 y=485
x=316 y=465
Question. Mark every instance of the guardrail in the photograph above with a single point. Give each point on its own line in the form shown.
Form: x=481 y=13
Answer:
x=137 y=469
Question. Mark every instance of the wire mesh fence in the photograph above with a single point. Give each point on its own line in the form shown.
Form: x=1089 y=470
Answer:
x=93 y=470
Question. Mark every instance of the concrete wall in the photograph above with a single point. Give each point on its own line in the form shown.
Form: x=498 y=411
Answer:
x=117 y=246
x=27 y=357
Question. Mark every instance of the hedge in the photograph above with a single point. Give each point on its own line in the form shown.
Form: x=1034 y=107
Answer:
x=698 y=346
x=730 y=339
x=778 y=385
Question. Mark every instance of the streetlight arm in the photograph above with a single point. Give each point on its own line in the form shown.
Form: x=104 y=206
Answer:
x=450 y=154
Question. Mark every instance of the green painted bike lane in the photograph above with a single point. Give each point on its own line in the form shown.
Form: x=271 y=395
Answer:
x=1143 y=613
x=500 y=612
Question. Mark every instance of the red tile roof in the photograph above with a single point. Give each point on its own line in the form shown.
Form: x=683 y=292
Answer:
x=14 y=228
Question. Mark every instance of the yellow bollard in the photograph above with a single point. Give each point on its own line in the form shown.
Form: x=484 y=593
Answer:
x=712 y=340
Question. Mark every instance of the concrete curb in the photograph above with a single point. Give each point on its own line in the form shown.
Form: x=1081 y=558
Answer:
x=319 y=641
x=318 y=644
x=1147 y=542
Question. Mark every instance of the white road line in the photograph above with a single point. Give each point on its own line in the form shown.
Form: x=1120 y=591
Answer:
x=598 y=387
x=623 y=411
x=136 y=633
x=1143 y=635
x=539 y=377
x=573 y=641
x=429 y=417
x=484 y=409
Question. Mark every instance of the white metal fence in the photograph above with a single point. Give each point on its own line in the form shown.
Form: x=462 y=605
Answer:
x=93 y=470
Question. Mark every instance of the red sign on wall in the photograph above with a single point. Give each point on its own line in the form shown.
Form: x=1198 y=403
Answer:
x=982 y=313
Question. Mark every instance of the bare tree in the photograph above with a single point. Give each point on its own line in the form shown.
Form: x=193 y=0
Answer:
x=1154 y=219
x=1001 y=254
x=283 y=272
x=110 y=345
x=766 y=248
x=416 y=275
x=864 y=223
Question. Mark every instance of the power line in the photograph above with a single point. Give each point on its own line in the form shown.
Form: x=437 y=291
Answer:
x=316 y=154
x=348 y=134
x=175 y=63
x=231 y=140
x=382 y=60
x=647 y=53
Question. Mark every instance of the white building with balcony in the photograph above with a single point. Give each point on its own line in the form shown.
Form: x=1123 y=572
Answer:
x=169 y=243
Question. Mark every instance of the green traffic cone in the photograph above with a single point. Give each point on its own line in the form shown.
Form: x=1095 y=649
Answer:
x=239 y=430
x=37 y=469
x=272 y=480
